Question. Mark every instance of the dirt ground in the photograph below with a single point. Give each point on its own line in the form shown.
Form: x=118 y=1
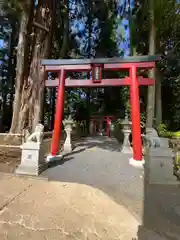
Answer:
x=37 y=209
x=10 y=156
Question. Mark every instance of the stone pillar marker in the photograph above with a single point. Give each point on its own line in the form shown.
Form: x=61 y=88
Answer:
x=100 y=130
x=32 y=157
x=68 y=125
x=126 y=147
x=91 y=127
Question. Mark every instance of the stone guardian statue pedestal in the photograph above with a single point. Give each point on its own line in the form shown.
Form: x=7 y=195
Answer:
x=32 y=157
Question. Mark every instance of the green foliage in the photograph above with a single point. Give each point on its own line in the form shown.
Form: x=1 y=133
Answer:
x=176 y=134
x=143 y=120
x=127 y=103
x=162 y=128
x=13 y=8
x=107 y=23
x=177 y=161
x=118 y=134
x=163 y=131
x=128 y=111
x=171 y=87
x=176 y=165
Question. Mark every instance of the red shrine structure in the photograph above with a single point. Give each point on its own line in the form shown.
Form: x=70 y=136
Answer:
x=96 y=67
x=103 y=119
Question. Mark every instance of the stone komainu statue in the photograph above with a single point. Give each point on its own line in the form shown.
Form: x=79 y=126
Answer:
x=36 y=136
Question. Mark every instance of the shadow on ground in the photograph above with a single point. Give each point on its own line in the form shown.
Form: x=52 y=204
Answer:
x=98 y=162
x=106 y=143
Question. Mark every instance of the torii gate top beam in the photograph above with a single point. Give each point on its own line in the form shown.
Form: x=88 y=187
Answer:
x=107 y=63
x=56 y=65
x=134 y=59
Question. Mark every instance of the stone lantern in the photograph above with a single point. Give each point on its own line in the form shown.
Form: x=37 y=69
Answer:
x=68 y=126
x=126 y=147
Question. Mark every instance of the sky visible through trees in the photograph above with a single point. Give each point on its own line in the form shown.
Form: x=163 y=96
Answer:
x=79 y=29
x=78 y=14
x=87 y=38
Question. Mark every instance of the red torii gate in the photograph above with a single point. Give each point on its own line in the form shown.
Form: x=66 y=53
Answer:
x=96 y=66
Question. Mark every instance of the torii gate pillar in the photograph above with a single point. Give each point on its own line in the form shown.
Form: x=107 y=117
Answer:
x=59 y=114
x=135 y=114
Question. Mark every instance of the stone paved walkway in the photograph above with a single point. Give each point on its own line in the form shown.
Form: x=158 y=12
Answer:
x=99 y=163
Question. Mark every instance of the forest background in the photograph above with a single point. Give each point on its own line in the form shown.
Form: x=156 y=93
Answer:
x=32 y=30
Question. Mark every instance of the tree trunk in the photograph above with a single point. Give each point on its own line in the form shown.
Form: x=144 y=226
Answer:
x=33 y=88
x=23 y=50
x=65 y=42
x=30 y=94
x=152 y=51
x=158 y=97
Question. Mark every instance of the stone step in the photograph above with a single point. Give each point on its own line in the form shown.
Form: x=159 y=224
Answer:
x=161 y=152
x=161 y=170
x=148 y=234
x=164 y=142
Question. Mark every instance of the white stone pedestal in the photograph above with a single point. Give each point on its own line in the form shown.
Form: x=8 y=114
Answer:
x=32 y=159
x=68 y=124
